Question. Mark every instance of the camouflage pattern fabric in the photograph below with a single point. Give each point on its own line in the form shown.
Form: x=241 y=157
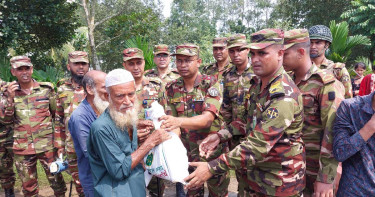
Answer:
x=171 y=75
x=68 y=98
x=322 y=95
x=7 y=177
x=27 y=171
x=151 y=90
x=341 y=74
x=32 y=121
x=273 y=153
x=235 y=87
x=205 y=96
x=213 y=70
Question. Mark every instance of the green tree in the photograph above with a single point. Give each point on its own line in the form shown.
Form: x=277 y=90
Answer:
x=342 y=43
x=362 y=19
x=306 y=13
x=36 y=26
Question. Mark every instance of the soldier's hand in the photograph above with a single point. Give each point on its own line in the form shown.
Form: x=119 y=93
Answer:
x=323 y=189
x=11 y=90
x=145 y=124
x=208 y=145
x=199 y=176
x=142 y=135
x=170 y=123
x=157 y=137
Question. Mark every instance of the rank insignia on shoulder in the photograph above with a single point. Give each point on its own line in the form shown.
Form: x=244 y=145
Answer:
x=272 y=113
x=276 y=87
x=213 y=92
x=331 y=96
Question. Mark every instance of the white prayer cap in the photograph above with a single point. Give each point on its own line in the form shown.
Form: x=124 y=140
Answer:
x=118 y=76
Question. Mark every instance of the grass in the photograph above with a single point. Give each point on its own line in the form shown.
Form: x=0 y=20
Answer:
x=42 y=178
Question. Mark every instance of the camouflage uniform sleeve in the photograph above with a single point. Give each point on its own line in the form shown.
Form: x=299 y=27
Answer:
x=212 y=99
x=6 y=110
x=261 y=140
x=170 y=108
x=345 y=80
x=331 y=96
x=59 y=134
x=226 y=107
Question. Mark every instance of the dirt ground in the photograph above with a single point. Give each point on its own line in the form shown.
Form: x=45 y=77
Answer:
x=170 y=190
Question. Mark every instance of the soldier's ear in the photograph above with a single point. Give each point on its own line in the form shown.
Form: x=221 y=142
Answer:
x=68 y=66
x=13 y=71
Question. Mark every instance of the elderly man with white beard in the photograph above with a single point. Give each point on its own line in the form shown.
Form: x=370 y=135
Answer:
x=114 y=155
x=80 y=123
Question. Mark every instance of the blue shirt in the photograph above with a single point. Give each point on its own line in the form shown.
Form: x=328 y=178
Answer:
x=110 y=152
x=356 y=155
x=79 y=127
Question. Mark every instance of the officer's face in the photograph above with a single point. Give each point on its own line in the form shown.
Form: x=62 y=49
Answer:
x=78 y=68
x=318 y=47
x=135 y=66
x=238 y=55
x=23 y=73
x=187 y=66
x=220 y=53
x=290 y=60
x=162 y=60
x=122 y=97
x=266 y=62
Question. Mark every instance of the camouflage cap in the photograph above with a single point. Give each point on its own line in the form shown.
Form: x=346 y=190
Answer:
x=237 y=40
x=265 y=38
x=295 y=36
x=161 y=48
x=132 y=53
x=187 y=49
x=220 y=42
x=18 y=61
x=78 y=56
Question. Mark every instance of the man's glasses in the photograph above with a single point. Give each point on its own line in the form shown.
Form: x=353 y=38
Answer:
x=162 y=55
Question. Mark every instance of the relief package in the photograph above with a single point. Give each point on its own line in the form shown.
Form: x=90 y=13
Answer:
x=169 y=159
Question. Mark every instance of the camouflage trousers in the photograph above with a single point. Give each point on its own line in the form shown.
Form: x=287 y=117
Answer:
x=7 y=176
x=236 y=140
x=73 y=163
x=153 y=187
x=251 y=193
x=217 y=186
x=27 y=171
x=310 y=180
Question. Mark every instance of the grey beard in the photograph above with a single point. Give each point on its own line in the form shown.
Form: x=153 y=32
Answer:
x=99 y=104
x=121 y=120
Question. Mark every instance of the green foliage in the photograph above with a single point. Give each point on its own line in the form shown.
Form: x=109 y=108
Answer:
x=50 y=74
x=362 y=19
x=307 y=13
x=342 y=44
x=141 y=43
x=5 y=74
x=35 y=26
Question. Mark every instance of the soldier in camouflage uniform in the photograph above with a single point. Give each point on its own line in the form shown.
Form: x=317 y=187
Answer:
x=236 y=83
x=69 y=95
x=222 y=64
x=322 y=94
x=34 y=107
x=148 y=90
x=162 y=59
x=321 y=38
x=7 y=178
x=193 y=105
x=273 y=154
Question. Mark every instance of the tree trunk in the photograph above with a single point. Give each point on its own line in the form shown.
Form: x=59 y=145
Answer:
x=90 y=19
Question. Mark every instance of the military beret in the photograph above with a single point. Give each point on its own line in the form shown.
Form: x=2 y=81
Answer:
x=132 y=53
x=295 y=36
x=265 y=38
x=78 y=56
x=161 y=48
x=187 y=49
x=19 y=61
x=237 y=40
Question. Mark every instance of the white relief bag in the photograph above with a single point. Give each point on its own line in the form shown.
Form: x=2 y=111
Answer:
x=169 y=159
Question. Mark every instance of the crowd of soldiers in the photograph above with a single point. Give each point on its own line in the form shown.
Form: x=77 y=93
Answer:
x=267 y=115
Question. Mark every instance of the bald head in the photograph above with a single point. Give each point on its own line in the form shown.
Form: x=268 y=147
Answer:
x=93 y=80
